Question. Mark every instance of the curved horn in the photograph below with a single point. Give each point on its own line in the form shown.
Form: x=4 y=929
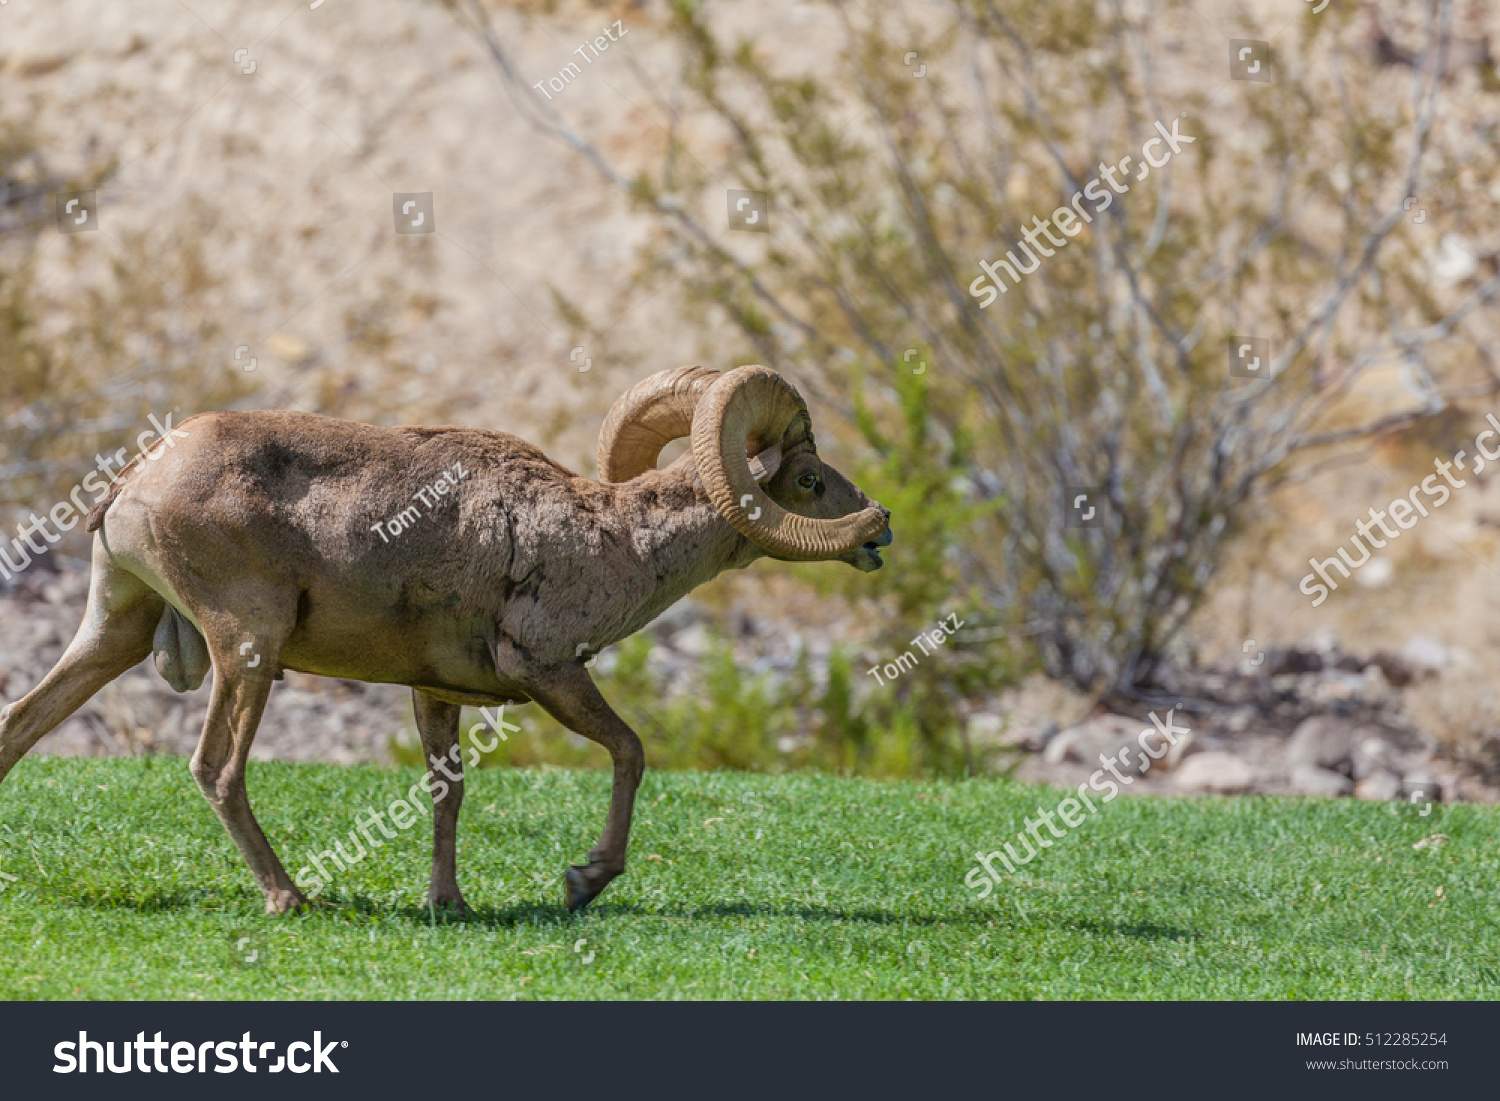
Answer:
x=755 y=406
x=647 y=417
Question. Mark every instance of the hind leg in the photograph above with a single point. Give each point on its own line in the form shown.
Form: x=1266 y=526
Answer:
x=115 y=635
x=234 y=710
x=437 y=722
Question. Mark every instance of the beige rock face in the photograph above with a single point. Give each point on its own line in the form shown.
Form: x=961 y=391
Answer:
x=283 y=178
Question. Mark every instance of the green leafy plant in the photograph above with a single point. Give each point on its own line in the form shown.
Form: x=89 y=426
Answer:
x=1280 y=214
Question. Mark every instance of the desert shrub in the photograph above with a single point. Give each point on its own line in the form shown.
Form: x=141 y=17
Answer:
x=1107 y=367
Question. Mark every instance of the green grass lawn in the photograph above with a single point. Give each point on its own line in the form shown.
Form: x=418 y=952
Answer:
x=740 y=886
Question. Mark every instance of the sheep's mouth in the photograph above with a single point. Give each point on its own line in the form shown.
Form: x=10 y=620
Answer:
x=867 y=559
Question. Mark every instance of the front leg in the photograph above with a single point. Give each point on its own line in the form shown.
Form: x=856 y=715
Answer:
x=570 y=697
x=437 y=723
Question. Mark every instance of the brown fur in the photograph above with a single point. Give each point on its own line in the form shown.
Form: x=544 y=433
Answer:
x=101 y=506
x=255 y=531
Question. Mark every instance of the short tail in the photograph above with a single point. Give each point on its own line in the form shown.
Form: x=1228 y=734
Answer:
x=101 y=506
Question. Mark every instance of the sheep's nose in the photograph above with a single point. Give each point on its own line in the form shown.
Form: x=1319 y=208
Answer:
x=884 y=539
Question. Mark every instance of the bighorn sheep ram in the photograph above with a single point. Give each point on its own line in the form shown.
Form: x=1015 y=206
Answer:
x=259 y=529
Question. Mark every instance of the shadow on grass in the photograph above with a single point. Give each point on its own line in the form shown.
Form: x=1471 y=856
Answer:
x=243 y=905
x=543 y=913
x=1135 y=930
x=206 y=900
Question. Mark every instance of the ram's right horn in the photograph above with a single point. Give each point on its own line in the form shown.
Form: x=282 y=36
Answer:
x=755 y=407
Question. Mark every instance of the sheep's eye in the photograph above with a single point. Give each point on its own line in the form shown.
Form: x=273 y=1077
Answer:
x=807 y=481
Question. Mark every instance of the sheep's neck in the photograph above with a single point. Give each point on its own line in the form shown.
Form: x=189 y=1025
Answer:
x=680 y=538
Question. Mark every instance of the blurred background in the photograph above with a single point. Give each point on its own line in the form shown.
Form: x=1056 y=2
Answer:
x=242 y=247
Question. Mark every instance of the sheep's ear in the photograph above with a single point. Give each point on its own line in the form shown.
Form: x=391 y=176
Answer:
x=763 y=467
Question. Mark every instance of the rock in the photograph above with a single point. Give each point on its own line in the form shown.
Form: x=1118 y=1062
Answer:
x=1454 y=261
x=1397 y=672
x=1321 y=782
x=1425 y=655
x=1358 y=750
x=1351 y=680
x=1379 y=787
x=1377 y=574
x=1325 y=640
x=286 y=346
x=1374 y=754
x=1217 y=772
x=1239 y=720
x=1107 y=735
x=1040 y=738
x=1095 y=735
x=1186 y=744
x=1337 y=687
x=1213 y=685
x=1035 y=710
x=693 y=641
x=1376 y=688
x=1321 y=741
x=1167 y=678
x=1296 y=661
x=986 y=728
x=678 y=617
x=1422 y=787
x=1065 y=746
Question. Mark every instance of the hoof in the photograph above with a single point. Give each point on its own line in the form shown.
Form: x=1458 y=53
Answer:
x=453 y=904
x=283 y=901
x=584 y=884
